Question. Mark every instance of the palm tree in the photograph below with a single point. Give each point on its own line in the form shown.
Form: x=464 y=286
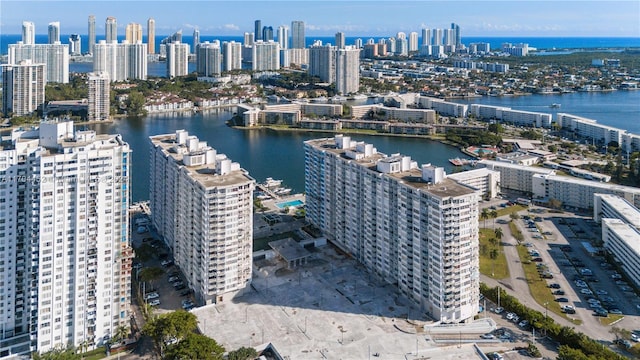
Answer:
x=498 y=233
x=494 y=214
x=514 y=216
x=122 y=332
x=484 y=215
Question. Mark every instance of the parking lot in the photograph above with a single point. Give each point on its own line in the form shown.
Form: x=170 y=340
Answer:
x=562 y=244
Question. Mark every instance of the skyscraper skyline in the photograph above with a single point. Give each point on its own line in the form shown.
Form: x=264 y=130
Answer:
x=283 y=37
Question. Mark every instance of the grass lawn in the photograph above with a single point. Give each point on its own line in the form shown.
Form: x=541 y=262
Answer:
x=538 y=286
x=612 y=318
x=510 y=209
x=494 y=268
x=515 y=232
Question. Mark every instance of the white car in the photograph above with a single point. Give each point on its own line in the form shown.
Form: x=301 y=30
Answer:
x=498 y=310
x=523 y=323
x=510 y=316
x=586 y=292
x=153 y=295
x=154 y=302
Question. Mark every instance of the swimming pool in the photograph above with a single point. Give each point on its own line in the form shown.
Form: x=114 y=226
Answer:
x=291 y=203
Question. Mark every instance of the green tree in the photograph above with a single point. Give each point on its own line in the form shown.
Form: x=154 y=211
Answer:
x=195 y=346
x=122 y=332
x=568 y=353
x=498 y=233
x=150 y=274
x=484 y=215
x=493 y=214
x=243 y=353
x=57 y=354
x=555 y=204
x=514 y=216
x=135 y=104
x=174 y=325
x=496 y=128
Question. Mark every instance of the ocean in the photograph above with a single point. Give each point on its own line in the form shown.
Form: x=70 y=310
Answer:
x=548 y=43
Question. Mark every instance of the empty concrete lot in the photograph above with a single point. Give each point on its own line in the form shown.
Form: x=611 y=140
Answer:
x=330 y=308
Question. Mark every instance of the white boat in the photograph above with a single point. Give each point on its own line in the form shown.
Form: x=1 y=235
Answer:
x=272 y=183
x=283 y=191
x=555 y=105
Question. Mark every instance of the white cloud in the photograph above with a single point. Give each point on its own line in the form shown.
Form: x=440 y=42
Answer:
x=233 y=27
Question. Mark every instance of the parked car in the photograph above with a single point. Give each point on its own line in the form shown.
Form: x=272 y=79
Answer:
x=488 y=336
x=154 y=302
x=558 y=292
x=167 y=263
x=601 y=312
x=498 y=310
x=151 y=295
x=523 y=323
x=185 y=292
x=554 y=286
x=617 y=312
x=562 y=299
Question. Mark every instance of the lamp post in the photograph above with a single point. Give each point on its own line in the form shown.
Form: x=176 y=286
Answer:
x=546 y=310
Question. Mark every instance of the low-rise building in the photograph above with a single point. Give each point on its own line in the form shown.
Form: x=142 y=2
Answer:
x=514 y=176
x=622 y=240
x=484 y=180
x=608 y=206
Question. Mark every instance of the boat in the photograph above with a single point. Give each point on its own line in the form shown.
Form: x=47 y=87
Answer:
x=555 y=105
x=462 y=162
x=283 y=191
x=272 y=183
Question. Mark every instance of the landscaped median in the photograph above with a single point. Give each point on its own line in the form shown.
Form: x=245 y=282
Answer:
x=538 y=286
x=493 y=262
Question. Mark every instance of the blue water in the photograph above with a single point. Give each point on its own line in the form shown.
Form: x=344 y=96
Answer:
x=537 y=42
x=291 y=203
x=264 y=153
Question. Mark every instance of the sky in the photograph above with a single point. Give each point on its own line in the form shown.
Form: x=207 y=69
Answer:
x=542 y=18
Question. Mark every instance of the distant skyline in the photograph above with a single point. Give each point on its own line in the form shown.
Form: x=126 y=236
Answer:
x=515 y=18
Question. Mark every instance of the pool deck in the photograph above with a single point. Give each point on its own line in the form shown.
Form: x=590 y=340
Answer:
x=271 y=203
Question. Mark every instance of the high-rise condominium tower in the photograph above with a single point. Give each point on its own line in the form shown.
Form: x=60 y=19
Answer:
x=202 y=206
x=66 y=236
x=267 y=33
x=99 y=88
x=111 y=29
x=340 y=40
x=75 y=45
x=22 y=88
x=348 y=70
x=208 y=59
x=151 y=35
x=177 y=59
x=257 y=32
x=283 y=37
x=297 y=35
x=122 y=61
x=231 y=55
x=322 y=62
x=28 y=33
x=53 y=30
x=55 y=56
x=133 y=33
x=266 y=55
x=413 y=227
x=92 y=32
x=196 y=40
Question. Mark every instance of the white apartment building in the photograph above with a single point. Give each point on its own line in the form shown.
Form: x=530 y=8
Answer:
x=322 y=62
x=23 y=86
x=177 y=59
x=266 y=55
x=608 y=206
x=484 y=180
x=208 y=60
x=442 y=107
x=55 y=56
x=298 y=56
x=622 y=240
x=98 y=96
x=590 y=129
x=66 y=257
x=579 y=193
x=411 y=226
x=202 y=206
x=507 y=115
x=514 y=176
x=231 y=55
x=348 y=70
x=122 y=61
